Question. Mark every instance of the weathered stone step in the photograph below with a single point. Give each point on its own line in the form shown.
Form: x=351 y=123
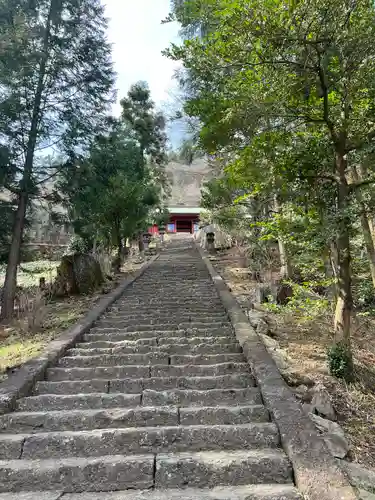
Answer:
x=117 y=418
x=212 y=397
x=137 y=441
x=34 y=495
x=155 y=341
x=130 y=326
x=136 y=386
x=163 y=349
x=11 y=446
x=206 y=316
x=86 y=419
x=248 y=492
x=108 y=473
x=115 y=319
x=177 y=397
x=173 y=308
x=199 y=370
x=116 y=335
x=134 y=371
x=74 y=387
x=115 y=360
x=113 y=473
x=102 y=372
x=77 y=401
x=149 y=359
x=206 y=359
x=217 y=415
x=211 y=468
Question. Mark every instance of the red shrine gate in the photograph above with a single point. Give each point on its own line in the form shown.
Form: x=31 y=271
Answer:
x=181 y=220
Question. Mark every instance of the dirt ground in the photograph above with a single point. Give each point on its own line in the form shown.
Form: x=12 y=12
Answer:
x=18 y=343
x=306 y=343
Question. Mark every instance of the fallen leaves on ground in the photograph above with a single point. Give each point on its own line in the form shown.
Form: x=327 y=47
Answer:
x=306 y=345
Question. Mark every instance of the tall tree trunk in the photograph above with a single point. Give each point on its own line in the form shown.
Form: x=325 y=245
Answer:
x=366 y=230
x=141 y=245
x=286 y=269
x=344 y=304
x=363 y=174
x=329 y=258
x=10 y=283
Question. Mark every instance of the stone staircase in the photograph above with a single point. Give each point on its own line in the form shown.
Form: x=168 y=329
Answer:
x=156 y=403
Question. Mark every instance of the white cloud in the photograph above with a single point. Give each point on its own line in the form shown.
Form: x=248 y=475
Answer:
x=138 y=38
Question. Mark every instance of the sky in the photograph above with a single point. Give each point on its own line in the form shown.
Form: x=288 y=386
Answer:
x=138 y=37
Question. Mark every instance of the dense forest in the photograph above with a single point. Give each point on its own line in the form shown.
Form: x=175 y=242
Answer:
x=57 y=87
x=283 y=93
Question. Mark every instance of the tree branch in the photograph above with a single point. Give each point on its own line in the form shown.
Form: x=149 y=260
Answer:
x=364 y=182
x=360 y=144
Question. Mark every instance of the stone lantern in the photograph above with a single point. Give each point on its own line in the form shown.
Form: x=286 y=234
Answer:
x=210 y=242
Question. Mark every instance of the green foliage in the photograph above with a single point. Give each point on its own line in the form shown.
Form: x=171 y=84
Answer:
x=78 y=244
x=305 y=304
x=145 y=124
x=56 y=81
x=7 y=211
x=283 y=93
x=363 y=293
x=340 y=362
x=112 y=193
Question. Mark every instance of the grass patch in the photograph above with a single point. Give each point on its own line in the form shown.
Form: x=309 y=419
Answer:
x=18 y=345
x=29 y=273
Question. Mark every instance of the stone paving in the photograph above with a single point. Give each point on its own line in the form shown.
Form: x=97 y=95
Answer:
x=156 y=403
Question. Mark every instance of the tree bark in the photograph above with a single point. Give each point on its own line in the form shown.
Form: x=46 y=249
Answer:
x=286 y=269
x=141 y=245
x=344 y=304
x=10 y=283
x=329 y=258
x=363 y=175
x=366 y=230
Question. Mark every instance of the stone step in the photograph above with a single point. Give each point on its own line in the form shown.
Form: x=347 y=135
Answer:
x=211 y=468
x=138 y=441
x=136 y=386
x=77 y=401
x=186 y=291
x=217 y=415
x=142 y=342
x=172 y=308
x=74 y=387
x=116 y=335
x=33 y=495
x=206 y=359
x=108 y=473
x=188 y=288
x=173 y=299
x=165 y=314
x=102 y=372
x=118 y=418
x=115 y=319
x=192 y=397
x=116 y=360
x=177 y=397
x=163 y=349
x=247 y=492
x=117 y=472
x=135 y=371
x=128 y=326
x=155 y=341
x=199 y=370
